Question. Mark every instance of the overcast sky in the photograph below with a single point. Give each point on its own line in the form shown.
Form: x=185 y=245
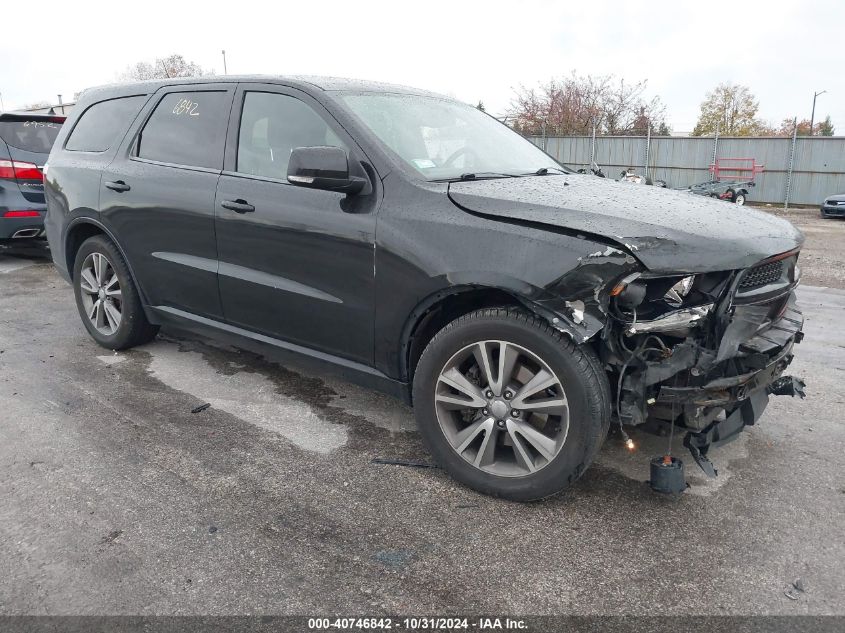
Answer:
x=783 y=50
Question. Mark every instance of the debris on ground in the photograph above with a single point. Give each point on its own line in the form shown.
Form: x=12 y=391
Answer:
x=111 y=537
x=402 y=462
x=200 y=408
x=793 y=590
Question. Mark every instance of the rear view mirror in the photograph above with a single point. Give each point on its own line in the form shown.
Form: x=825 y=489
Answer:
x=322 y=168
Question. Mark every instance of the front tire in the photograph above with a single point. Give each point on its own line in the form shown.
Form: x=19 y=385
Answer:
x=106 y=296
x=509 y=406
x=739 y=198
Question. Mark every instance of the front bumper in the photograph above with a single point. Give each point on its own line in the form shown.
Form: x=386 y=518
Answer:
x=763 y=358
x=744 y=397
x=714 y=393
x=833 y=211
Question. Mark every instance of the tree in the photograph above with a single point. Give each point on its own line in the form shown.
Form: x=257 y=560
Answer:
x=574 y=104
x=731 y=110
x=825 y=128
x=822 y=128
x=164 y=68
x=480 y=106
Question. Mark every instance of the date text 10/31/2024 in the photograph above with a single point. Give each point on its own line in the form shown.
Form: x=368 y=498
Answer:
x=417 y=624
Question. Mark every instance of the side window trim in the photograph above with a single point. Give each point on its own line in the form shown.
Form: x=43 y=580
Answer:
x=150 y=161
x=130 y=150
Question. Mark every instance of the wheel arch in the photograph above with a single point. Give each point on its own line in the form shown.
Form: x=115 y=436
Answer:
x=439 y=309
x=83 y=228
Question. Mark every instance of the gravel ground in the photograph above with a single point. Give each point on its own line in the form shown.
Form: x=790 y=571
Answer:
x=823 y=257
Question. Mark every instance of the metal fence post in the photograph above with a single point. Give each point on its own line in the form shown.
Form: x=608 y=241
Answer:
x=647 y=149
x=593 y=147
x=715 y=145
x=791 y=164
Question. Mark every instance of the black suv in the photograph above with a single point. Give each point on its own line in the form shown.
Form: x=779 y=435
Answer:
x=420 y=246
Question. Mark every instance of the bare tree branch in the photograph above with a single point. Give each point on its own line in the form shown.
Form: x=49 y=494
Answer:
x=164 y=68
x=573 y=105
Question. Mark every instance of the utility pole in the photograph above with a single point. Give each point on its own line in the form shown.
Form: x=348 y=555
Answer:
x=61 y=105
x=2 y=107
x=813 y=115
x=225 y=72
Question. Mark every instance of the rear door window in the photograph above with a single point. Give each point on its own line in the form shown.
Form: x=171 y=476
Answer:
x=30 y=135
x=187 y=128
x=100 y=125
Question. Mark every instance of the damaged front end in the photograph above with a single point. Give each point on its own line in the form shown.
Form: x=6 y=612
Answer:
x=704 y=352
x=693 y=353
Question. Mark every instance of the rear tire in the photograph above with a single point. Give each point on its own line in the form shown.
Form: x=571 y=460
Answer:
x=513 y=444
x=106 y=296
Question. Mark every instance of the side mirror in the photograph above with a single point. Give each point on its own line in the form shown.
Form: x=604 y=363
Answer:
x=322 y=168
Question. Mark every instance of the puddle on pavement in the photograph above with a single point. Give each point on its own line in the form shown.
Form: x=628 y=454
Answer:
x=248 y=396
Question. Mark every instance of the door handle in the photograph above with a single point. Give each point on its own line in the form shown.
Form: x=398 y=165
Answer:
x=118 y=185
x=238 y=206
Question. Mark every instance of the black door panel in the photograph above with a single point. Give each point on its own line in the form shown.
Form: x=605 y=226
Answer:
x=295 y=263
x=299 y=267
x=168 y=218
x=159 y=195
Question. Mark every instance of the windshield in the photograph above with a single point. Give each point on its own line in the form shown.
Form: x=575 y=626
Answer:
x=443 y=139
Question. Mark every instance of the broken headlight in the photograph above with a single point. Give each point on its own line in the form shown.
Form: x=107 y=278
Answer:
x=669 y=304
x=675 y=295
x=634 y=290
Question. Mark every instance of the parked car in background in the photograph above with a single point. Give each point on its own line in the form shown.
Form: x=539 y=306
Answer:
x=418 y=245
x=25 y=143
x=735 y=191
x=834 y=206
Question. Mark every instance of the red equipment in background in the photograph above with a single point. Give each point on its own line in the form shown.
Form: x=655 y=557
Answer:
x=740 y=169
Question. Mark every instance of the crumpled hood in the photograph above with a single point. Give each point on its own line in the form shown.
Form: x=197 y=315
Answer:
x=668 y=231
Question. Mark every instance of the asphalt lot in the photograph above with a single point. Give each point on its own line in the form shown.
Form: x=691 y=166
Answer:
x=116 y=499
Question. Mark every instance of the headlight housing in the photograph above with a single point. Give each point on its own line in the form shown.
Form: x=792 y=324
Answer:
x=675 y=295
x=633 y=290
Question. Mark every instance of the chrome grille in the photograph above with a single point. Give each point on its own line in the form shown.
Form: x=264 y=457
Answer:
x=761 y=275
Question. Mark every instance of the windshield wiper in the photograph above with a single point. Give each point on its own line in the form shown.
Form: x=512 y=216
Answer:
x=478 y=175
x=544 y=171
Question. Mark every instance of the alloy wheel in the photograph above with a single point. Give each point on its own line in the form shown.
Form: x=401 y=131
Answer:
x=502 y=408
x=101 y=294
